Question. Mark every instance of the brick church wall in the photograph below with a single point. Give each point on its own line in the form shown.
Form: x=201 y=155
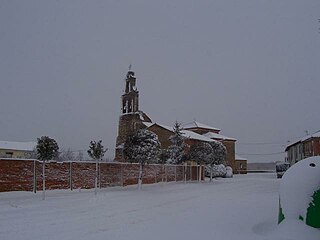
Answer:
x=18 y=175
x=163 y=135
x=128 y=124
x=230 y=158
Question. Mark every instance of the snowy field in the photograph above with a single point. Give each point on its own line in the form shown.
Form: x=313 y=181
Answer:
x=244 y=207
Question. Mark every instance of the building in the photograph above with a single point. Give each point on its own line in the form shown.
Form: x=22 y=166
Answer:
x=164 y=132
x=241 y=164
x=132 y=119
x=214 y=134
x=307 y=146
x=194 y=133
x=17 y=149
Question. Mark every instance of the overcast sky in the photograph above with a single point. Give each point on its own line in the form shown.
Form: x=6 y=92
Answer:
x=250 y=68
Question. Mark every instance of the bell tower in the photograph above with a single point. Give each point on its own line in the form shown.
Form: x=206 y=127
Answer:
x=131 y=118
x=130 y=98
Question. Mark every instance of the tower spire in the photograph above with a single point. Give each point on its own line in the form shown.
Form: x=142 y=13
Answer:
x=130 y=98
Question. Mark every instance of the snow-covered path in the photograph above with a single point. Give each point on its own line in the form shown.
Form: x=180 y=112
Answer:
x=244 y=207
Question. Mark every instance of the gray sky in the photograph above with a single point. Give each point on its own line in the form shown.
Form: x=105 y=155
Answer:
x=250 y=68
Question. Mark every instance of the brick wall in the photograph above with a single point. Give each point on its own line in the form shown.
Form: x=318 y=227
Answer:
x=230 y=157
x=26 y=175
x=240 y=167
x=163 y=135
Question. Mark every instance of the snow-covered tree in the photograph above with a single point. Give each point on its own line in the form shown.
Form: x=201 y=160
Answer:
x=217 y=170
x=178 y=146
x=96 y=151
x=47 y=149
x=142 y=147
x=163 y=156
x=66 y=155
x=219 y=153
x=201 y=153
x=218 y=156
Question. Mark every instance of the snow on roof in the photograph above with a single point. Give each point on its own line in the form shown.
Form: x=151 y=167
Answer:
x=292 y=143
x=218 y=136
x=195 y=124
x=148 y=124
x=22 y=146
x=196 y=136
x=314 y=135
x=141 y=116
x=237 y=157
x=186 y=133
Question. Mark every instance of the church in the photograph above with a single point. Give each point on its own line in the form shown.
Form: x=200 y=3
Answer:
x=133 y=119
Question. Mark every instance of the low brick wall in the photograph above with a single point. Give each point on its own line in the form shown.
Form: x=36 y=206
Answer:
x=26 y=175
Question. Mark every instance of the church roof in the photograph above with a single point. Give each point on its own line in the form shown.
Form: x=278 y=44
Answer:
x=192 y=135
x=148 y=124
x=186 y=133
x=160 y=125
x=196 y=124
x=218 y=136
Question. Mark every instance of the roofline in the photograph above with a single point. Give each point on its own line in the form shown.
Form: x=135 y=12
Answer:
x=162 y=126
x=195 y=122
x=302 y=140
x=212 y=128
x=291 y=145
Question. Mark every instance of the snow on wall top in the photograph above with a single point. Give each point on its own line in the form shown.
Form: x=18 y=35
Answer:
x=218 y=136
x=196 y=124
x=237 y=157
x=22 y=146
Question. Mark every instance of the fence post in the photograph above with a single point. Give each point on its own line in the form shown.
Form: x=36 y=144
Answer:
x=121 y=173
x=96 y=178
x=43 y=179
x=166 y=172
x=100 y=175
x=190 y=172
x=203 y=174
x=197 y=172
x=70 y=174
x=34 y=177
x=185 y=172
x=175 y=173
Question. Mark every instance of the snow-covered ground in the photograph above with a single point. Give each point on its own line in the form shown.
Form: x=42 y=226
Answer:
x=245 y=207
